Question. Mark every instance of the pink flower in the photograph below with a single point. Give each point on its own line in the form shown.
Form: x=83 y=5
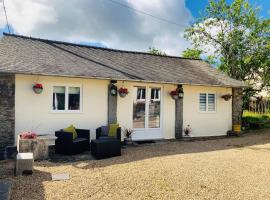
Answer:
x=28 y=135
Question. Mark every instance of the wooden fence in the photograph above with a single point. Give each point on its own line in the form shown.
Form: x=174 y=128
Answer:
x=259 y=105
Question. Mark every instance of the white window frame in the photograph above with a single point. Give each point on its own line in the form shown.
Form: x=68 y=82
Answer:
x=67 y=99
x=141 y=99
x=207 y=111
x=156 y=99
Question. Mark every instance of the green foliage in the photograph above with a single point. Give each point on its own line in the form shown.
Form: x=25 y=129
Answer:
x=192 y=53
x=195 y=53
x=256 y=116
x=239 y=37
x=154 y=51
x=260 y=120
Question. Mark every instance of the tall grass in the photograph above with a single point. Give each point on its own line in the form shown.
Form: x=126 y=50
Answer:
x=253 y=117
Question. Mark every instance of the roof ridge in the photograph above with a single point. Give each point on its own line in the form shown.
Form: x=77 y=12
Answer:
x=95 y=47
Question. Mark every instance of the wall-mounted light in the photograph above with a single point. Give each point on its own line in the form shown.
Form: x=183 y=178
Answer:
x=113 y=88
x=180 y=92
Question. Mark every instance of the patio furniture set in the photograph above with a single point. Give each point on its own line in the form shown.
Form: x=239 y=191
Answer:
x=104 y=146
x=69 y=141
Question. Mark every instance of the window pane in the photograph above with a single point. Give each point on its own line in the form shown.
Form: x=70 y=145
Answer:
x=155 y=93
x=154 y=109
x=74 y=98
x=139 y=108
x=58 y=98
x=202 y=102
x=211 y=102
x=152 y=93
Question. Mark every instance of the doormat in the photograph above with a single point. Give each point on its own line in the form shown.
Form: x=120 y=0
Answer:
x=60 y=177
x=146 y=142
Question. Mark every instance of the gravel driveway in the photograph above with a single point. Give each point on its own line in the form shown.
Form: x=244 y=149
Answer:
x=230 y=168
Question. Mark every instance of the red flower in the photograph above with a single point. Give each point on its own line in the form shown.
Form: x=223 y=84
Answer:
x=28 y=135
x=38 y=85
x=174 y=92
x=123 y=90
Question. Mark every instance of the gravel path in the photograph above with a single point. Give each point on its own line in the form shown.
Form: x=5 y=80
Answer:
x=231 y=168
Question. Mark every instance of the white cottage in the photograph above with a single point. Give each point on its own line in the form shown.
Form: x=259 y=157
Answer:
x=78 y=82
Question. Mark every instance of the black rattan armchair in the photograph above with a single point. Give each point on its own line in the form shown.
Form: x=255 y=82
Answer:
x=65 y=144
x=101 y=134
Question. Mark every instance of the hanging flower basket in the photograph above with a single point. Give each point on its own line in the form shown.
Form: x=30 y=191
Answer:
x=38 y=88
x=123 y=92
x=174 y=94
x=226 y=97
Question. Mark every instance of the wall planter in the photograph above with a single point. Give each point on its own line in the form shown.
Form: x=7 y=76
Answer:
x=174 y=94
x=38 y=88
x=226 y=97
x=123 y=92
x=178 y=93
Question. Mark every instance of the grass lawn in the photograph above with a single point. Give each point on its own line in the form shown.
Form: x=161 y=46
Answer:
x=257 y=118
x=228 y=168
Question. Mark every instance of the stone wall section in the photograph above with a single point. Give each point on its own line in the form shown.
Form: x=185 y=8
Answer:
x=7 y=110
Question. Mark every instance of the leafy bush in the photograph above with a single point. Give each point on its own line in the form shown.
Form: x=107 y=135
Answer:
x=262 y=120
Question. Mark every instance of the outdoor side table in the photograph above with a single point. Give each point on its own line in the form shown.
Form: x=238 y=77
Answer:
x=24 y=163
x=105 y=148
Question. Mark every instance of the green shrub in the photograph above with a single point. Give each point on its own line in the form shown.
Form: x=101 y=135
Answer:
x=257 y=118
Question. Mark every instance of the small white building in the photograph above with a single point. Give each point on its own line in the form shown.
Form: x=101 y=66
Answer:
x=78 y=82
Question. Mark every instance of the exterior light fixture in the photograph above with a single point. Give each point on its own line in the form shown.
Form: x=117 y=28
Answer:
x=180 y=92
x=113 y=88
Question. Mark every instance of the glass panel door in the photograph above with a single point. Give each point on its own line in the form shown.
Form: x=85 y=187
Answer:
x=154 y=108
x=139 y=107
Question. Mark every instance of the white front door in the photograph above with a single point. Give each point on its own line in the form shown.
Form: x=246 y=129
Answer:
x=147 y=113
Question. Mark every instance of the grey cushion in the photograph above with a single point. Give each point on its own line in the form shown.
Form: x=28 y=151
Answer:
x=79 y=140
x=105 y=137
x=104 y=131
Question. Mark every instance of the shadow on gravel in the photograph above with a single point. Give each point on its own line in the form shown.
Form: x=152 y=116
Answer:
x=176 y=147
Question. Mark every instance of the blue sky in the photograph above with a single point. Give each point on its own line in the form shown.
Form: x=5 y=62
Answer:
x=103 y=23
x=195 y=6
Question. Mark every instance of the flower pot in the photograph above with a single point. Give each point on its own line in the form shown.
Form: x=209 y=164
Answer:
x=237 y=128
x=175 y=97
x=128 y=141
x=122 y=95
x=226 y=98
x=37 y=90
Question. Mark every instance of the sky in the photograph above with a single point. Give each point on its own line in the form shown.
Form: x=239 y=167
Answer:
x=109 y=23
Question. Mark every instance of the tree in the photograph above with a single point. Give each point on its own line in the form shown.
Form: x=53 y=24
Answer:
x=154 y=51
x=195 y=53
x=192 y=53
x=238 y=38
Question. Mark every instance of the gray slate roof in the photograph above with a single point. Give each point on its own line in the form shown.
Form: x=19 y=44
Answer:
x=25 y=55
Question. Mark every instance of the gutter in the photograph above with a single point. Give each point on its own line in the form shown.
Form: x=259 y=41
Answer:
x=128 y=80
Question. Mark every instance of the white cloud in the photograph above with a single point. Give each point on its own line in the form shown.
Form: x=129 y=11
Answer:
x=102 y=21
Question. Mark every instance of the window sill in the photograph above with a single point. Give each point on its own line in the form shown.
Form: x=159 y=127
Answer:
x=208 y=112
x=66 y=112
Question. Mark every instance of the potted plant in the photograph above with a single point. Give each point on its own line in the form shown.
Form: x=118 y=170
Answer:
x=174 y=94
x=187 y=131
x=128 y=133
x=28 y=135
x=38 y=88
x=123 y=92
x=226 y=97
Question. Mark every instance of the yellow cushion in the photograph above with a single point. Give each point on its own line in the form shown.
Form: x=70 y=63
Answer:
x=113 y=130
x=71 y=129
